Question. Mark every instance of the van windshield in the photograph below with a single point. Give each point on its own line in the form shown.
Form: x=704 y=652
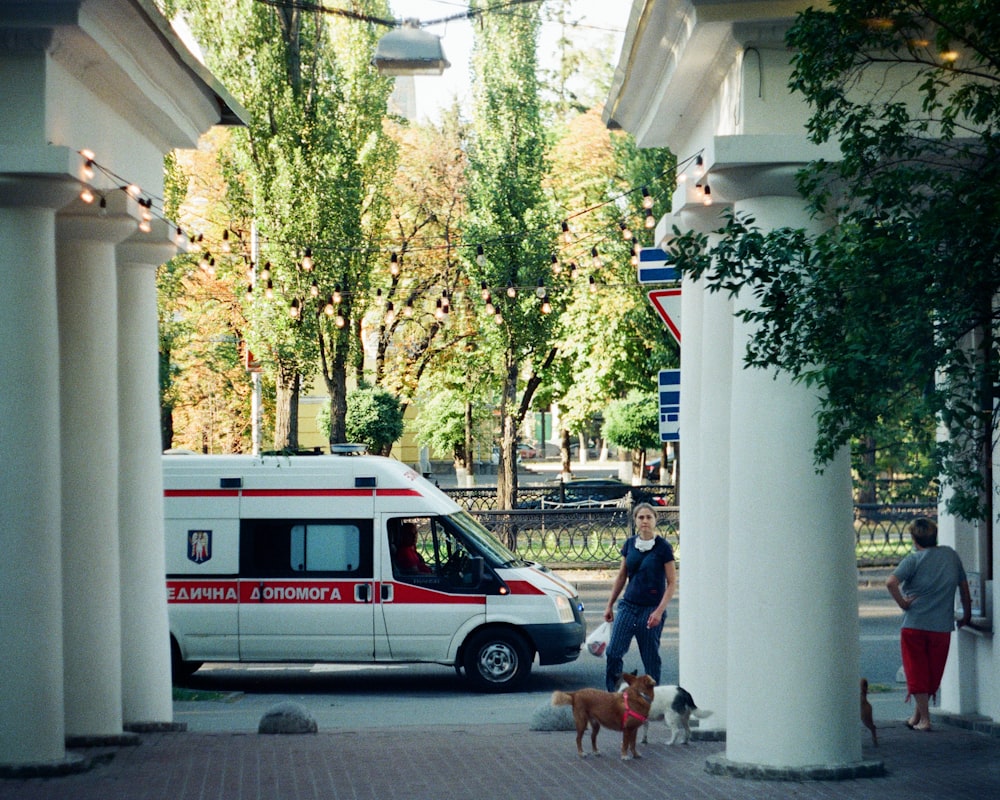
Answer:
x=478 y=536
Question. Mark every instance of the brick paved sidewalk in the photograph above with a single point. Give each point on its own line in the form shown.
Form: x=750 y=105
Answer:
x=508 y=761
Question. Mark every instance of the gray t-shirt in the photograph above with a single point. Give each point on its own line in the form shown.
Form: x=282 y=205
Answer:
x=932 y=575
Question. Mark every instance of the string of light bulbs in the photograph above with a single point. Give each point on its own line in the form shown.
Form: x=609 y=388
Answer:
x=89 y=193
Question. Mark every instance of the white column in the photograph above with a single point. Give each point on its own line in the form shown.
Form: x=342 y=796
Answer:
x=792 y=625
x=705 y=385
x=88 y=322
x=31 y=691
x=146 y=686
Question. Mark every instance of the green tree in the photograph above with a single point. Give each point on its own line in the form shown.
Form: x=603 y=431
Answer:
x=510 y=219
x=308 y=175
x=633 y=424
x=890 y=314
x=374 y=418
x=610 y=339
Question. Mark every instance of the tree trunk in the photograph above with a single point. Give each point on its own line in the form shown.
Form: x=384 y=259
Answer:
x=286 y=411
x=564 y=454
x=467 y=455
x=336 y=387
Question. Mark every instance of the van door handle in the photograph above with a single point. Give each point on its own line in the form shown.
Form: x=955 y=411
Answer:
x=363 y=592
x=387 y=592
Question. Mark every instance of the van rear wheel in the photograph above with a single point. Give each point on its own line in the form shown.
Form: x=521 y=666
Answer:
x=497 y=660
x=180 y=670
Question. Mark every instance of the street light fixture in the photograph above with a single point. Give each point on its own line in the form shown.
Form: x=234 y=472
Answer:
x=409 y=51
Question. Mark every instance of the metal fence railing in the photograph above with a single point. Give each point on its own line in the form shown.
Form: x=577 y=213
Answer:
x=589 y=534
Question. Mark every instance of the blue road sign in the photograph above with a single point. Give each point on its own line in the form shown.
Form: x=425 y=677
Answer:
x=670 y=405
x=653 y=266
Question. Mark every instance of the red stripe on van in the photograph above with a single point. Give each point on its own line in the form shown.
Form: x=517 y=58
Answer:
x=291 y=492
x=408 y=593
x=201 y=492
x=307 y=492
x=522 y=587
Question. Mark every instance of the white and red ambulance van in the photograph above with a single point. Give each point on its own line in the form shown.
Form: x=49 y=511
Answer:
x=297 y=559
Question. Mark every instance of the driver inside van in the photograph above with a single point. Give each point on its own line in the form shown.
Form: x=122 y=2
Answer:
x=408 y=559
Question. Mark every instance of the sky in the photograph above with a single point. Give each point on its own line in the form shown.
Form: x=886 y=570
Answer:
x=597 y=20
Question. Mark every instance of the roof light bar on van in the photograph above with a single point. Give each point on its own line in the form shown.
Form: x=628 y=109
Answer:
x=346 y=449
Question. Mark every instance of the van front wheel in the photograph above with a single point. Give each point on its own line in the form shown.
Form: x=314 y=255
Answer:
x=497 y=660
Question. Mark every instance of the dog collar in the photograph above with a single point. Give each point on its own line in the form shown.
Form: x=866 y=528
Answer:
x=630 y=713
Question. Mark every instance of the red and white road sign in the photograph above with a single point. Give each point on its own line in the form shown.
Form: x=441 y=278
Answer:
x=667 y=303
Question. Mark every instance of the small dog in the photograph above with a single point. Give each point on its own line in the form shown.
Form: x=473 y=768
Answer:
x=620 y=711
x=675 y=706
x=866 y=712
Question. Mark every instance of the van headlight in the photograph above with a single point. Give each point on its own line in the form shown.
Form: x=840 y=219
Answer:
x=564 y=608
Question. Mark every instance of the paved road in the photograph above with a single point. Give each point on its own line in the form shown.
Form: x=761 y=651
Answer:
x=351 y=696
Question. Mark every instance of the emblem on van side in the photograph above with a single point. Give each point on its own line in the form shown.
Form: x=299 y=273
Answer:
x=199 y=546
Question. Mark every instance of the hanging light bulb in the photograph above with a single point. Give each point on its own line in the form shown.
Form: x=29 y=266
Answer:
x=439 y=310
x=573 y=267
x=337 y=298
x=328 y=309
x=540 y=290
x=634 y=259
x=269 y=291
x=511 y=291
x=394 y=265
x=390 y=313
x=484 y=290
x=211 y=263
x=626 y=231
x=480 y=255
x=265 y=274
x=498 y=318
x=133 y=190
x=699 y=167
x=294 y=310
x=226 y=248
x=595 y=258
x=179 y=237
x=87 y=195
x=647 y=198
x=307 y=260
x=556 y=266
x=145 y=226
x=650 y=221
x=408 y=310
x=445 y=301
x=340 y=322
x=490 y=308
x=567 y=234
x=103 y=207
x=593 y=284
x=314 y=289
x=249 y=294
x=146 y=213
x=708 y=195
x=546 y=306
x=699 y=192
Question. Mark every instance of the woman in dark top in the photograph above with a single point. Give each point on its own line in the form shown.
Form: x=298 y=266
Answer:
x=648 y=577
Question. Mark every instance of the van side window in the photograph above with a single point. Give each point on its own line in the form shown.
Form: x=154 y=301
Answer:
x=295 y=547
x=325 y=548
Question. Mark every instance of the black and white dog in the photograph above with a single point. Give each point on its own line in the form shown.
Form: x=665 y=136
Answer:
x=675 y=706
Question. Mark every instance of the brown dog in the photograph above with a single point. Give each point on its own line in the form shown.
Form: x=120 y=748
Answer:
x=620 y=711
x=866 y=712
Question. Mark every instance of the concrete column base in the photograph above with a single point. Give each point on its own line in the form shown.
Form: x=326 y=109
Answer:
x=72 y=764
x=720 y=765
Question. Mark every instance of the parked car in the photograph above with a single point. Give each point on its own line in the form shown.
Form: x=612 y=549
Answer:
x=526 y=450
x=599 y=490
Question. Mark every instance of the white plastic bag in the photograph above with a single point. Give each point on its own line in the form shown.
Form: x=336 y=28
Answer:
x=598 y=639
